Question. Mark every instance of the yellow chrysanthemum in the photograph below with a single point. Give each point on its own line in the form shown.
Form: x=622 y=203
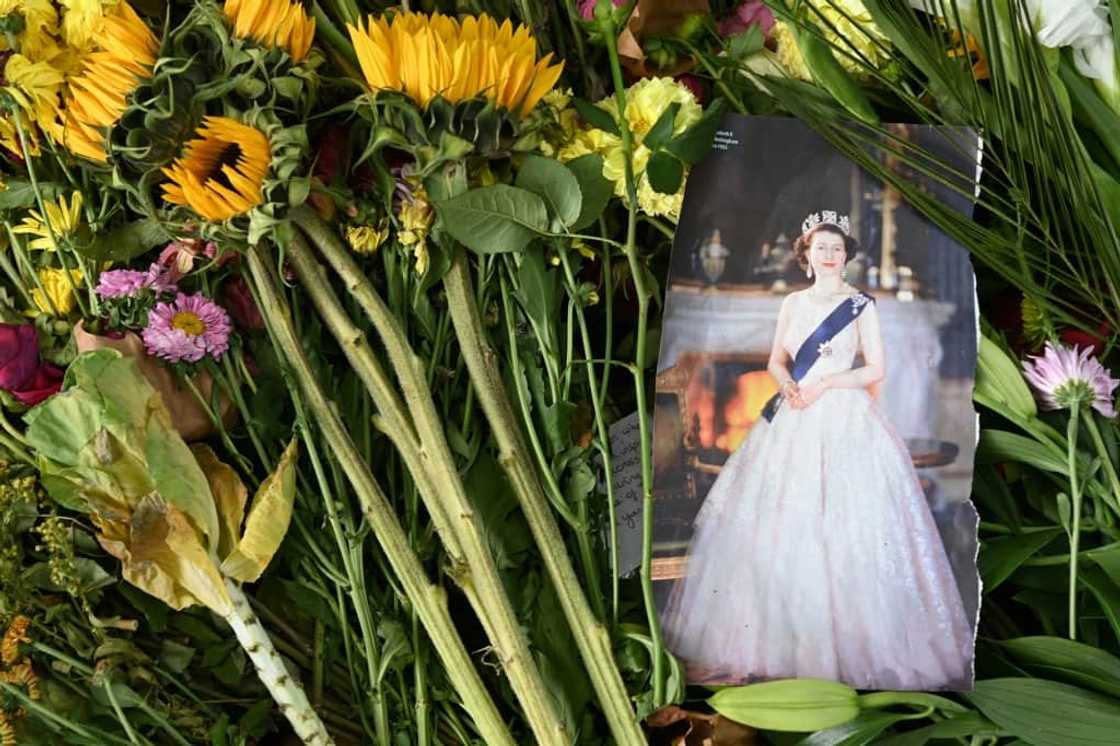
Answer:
x=63 y=219
x=273 y=23
x=40 y=23
x=34 y=86
x=59 y=298
x=416 y=220
x=221 y=172
x=428 y=56
x=125 y=50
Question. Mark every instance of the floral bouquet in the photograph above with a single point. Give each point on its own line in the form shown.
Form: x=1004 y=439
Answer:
x=395 y=269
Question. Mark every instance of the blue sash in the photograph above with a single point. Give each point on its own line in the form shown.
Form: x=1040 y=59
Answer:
x=845 y=313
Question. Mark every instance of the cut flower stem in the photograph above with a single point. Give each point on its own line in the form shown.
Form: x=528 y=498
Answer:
x=428 y=600
x=415 y=428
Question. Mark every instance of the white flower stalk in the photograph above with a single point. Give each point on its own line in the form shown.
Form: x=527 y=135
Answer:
x=174 y=515
x=285 y=689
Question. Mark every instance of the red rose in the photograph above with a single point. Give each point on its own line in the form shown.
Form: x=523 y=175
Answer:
x=1079 y=338
x=238 y=300
x=22 y=373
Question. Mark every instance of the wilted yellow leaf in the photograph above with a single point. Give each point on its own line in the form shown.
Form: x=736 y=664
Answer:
x=165 y=558
x=267 y=522
x=230 y=496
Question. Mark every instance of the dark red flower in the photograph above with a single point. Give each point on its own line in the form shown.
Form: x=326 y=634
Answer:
x=1078 y=338
x=694 y=84
x=22 y=373
x=745 y=15
x=238 y=300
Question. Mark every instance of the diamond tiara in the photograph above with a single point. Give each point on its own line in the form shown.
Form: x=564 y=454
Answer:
x=826 y=216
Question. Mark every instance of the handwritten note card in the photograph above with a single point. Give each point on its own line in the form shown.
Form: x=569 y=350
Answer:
x=626 y=477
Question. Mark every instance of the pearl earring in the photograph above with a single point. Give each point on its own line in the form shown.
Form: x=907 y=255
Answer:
x=809 y=272
x=844 y=274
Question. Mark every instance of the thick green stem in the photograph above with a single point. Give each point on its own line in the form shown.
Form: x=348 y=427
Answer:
x=1075 y=527
x=428 y=600
x=415 y=428
x=638 y=274
x=591 y=637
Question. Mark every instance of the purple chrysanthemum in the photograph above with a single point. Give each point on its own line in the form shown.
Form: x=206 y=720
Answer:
x=189 y=328
x=125 y=283
x=1065 y=377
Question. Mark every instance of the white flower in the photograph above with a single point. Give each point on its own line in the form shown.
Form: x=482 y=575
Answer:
x=1081 y=25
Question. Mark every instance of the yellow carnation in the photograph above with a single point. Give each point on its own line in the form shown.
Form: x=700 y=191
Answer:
x=648 y=99
x=416 y=220
x=858 y=41
x=365 y=239
x=653 y=202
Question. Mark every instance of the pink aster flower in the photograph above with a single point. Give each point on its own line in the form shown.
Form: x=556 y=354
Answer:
x=1065 y=377
x=125 y=283
x=189 y=328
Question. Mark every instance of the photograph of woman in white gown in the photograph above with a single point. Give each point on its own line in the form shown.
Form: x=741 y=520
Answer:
x=815 y=553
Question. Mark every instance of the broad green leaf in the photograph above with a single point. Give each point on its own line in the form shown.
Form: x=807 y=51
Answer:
x=18 y=193
x=1048 y=713
x=165 y=558
x=662 y=129
x=537 y=289
x=1106 y=591
x=267 y=521
x=126 y=242
x=999 y=445
x=863 y=730
x=694 y=143
x=595 y=116
x=110 y=436
x=665 y=172
x=593 y=186
x=959 y=726
x=553 y=183
x=831 y=76
x=494 y=219
x=1075 y=662
x=1108 y=559
x=229 y=493
x=788 y=705
x=999 y=558
x=999 y=379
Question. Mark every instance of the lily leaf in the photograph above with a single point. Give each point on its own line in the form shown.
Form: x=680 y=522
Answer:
x=1000 y=380
x=111 y=438
x=230 y=496
x=165 y=558
x=267 y=522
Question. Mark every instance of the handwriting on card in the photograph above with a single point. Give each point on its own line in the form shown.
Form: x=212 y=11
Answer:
x=626 y=478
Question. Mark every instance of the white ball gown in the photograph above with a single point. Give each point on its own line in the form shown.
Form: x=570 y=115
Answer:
x=815 y=553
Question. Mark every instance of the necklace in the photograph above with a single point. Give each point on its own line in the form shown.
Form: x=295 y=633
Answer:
x=840 y=291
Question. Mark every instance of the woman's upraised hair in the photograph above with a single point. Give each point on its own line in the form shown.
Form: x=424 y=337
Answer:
x=801 y=245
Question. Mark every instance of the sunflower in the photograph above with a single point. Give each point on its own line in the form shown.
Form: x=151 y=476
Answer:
x=221 y=172
x=427 y=56
x=125 y=50
x=274 y=23
x=62 y=220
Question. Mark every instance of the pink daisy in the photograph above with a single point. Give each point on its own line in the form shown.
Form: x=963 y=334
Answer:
x=1065 y=377
x=125 y=283
x=189 y=328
